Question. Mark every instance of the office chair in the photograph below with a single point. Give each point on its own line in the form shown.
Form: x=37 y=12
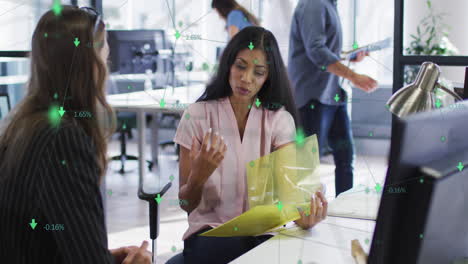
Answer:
x=126 y=121
x=177 y=259
x=151 y=198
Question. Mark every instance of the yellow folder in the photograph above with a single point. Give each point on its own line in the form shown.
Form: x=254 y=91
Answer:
x=278 y=185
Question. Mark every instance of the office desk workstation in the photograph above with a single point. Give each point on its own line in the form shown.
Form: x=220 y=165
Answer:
x=328 y=242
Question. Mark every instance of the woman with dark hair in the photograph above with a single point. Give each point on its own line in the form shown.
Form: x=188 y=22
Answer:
x=246 y=112
x=235 y=15
x=51 y=161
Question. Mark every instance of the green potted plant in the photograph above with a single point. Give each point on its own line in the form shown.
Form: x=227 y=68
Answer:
x=431 y=38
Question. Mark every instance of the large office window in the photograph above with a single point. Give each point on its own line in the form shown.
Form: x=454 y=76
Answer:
x=437 y=27
x=18 y=19
x=366 y=22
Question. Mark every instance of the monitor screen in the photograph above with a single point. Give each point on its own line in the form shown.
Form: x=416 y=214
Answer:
x=425 y=220
x=133 y=51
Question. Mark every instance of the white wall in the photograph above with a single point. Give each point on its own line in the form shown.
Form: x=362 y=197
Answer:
x=277 y=19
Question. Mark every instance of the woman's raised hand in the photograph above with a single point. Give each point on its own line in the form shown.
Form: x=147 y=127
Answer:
x=206 y=159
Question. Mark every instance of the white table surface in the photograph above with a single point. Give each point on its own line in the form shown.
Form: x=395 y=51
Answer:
x=328 y=242
x=150 y=100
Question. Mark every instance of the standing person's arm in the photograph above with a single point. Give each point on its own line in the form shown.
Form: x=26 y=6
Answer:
x=232 y=31
x=361 y=81
x=313 y=31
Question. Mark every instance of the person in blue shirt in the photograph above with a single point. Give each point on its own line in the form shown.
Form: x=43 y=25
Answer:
x=236 y=16
x=314 y=69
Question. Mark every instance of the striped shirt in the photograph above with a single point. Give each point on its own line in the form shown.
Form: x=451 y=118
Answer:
x=51 y=209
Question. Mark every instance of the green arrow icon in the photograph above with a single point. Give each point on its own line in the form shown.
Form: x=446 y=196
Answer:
x=177 y=34
x=378 y=187
x=337 y=97
x=61 y=111
x=438 y=103
x=460 y=166
x=158 y=199
x=77 y=42
x=280 y=205
x=257 y=102
x=299 y=137
x=33 y=223
x=251 y=46
x=57 y=7
x=162 y=103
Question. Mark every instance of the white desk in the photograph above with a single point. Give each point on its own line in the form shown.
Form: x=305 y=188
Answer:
x=149 y=102
x=328 y=242
x=194 y=76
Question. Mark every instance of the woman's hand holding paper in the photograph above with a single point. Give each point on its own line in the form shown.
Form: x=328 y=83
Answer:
x=318 y=212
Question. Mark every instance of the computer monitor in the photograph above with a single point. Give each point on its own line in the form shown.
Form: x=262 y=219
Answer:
x=4 y=105
x=423 y=213
x=134 y=51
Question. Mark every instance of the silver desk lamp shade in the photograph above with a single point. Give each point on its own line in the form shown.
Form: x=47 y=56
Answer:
x=419 y=96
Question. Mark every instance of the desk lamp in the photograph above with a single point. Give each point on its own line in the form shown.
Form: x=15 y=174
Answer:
x=419 y=96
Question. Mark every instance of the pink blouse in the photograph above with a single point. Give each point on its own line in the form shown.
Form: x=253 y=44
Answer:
x=225 y=192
